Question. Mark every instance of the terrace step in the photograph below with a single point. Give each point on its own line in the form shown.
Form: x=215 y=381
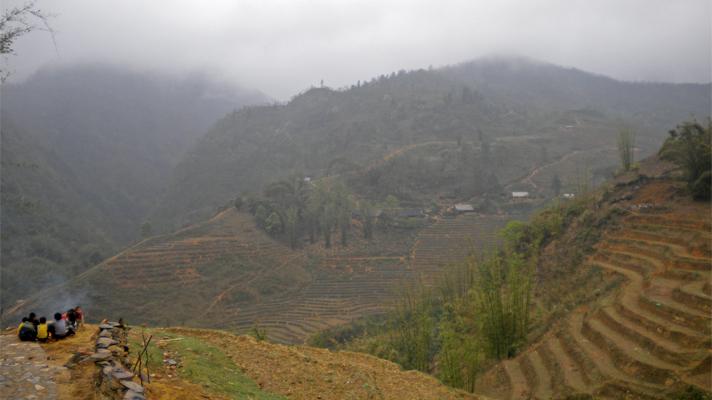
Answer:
x=633 y=359
x=668 y=350
x=634 y=305
x=543 y=387
x=667 y=222
x=684 y=261
x=676 y=312
x=601 y=359
x=518 y=382
x=568 y=369
x=693 y=294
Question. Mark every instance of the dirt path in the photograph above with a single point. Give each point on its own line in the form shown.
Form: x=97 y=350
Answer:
x=24 y=372
x=397 y=152
x=528 y=178
x=376 y=258
x=538 y=169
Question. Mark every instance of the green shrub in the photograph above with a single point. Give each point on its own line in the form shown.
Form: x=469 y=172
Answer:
x=258 y=333
x=691 y=393
x=501 y=298
x=701 y=187
x=413 y=334
x=689 y=147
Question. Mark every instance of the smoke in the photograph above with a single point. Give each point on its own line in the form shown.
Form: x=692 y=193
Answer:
x=47 y=301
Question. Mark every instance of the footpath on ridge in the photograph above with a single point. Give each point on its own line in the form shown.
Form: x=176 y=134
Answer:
x=24 y=371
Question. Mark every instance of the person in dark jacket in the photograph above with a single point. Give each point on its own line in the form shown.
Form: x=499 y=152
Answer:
x=71 y=320
x=24 y=321
x=33 y=318
x=27 y=332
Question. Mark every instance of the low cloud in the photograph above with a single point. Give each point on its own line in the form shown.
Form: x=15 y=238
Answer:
x=281 y=47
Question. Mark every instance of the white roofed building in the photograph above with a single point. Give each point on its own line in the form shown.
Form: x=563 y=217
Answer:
x=463 y=208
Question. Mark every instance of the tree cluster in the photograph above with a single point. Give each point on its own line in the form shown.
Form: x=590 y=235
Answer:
x=480 y=310
x=688 y=146
x=296 y=208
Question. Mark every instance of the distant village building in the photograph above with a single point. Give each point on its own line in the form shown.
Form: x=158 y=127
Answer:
x=520 y=195
x=568 y=195
x=463 y=208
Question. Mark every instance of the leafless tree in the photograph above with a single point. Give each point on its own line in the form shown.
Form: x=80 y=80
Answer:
x=16 y=22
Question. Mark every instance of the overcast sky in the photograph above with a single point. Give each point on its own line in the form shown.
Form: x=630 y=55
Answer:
x=282 y=47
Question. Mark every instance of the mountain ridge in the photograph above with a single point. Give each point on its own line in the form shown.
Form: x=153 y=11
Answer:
x=250 y=148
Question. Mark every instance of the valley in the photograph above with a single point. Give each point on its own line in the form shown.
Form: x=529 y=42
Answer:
x=470 y=231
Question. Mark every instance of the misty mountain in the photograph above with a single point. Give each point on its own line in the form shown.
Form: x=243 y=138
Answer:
x=527 y=112
x=85 y=152
x=539 y=85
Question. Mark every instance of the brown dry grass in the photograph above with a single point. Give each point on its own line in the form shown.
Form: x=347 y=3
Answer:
x=165 y=383
x=302 y=372
x=76 y=382
x=176 y=388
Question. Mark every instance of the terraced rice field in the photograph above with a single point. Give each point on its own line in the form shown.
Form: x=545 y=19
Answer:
x=225 y=273
x=450 y=239
x=348 y=286
x=274 y=290
x=650 y=337
x=333 y=296
x=186 y=258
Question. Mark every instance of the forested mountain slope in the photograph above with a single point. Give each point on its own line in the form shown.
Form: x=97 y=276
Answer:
x=485 y=121
x=85 y=152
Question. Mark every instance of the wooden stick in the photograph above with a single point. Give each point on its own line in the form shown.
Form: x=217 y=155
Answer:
x=142 y=352
x=148 y=360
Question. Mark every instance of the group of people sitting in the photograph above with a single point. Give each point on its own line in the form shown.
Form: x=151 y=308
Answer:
x=33 y=329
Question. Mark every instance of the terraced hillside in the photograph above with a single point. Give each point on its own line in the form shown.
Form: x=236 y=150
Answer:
x=450 y=239
x=351 y=283
x=225 y=273
x=333 y=297
x=647 y=338
x=174 y=278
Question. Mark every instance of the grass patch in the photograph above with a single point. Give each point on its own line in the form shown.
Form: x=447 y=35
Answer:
x=203 y=364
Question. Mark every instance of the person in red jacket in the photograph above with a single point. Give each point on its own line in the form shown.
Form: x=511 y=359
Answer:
x=80 y=315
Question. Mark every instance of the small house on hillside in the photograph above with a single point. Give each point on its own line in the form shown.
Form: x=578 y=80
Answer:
x=464 y=208
x=520 y=195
